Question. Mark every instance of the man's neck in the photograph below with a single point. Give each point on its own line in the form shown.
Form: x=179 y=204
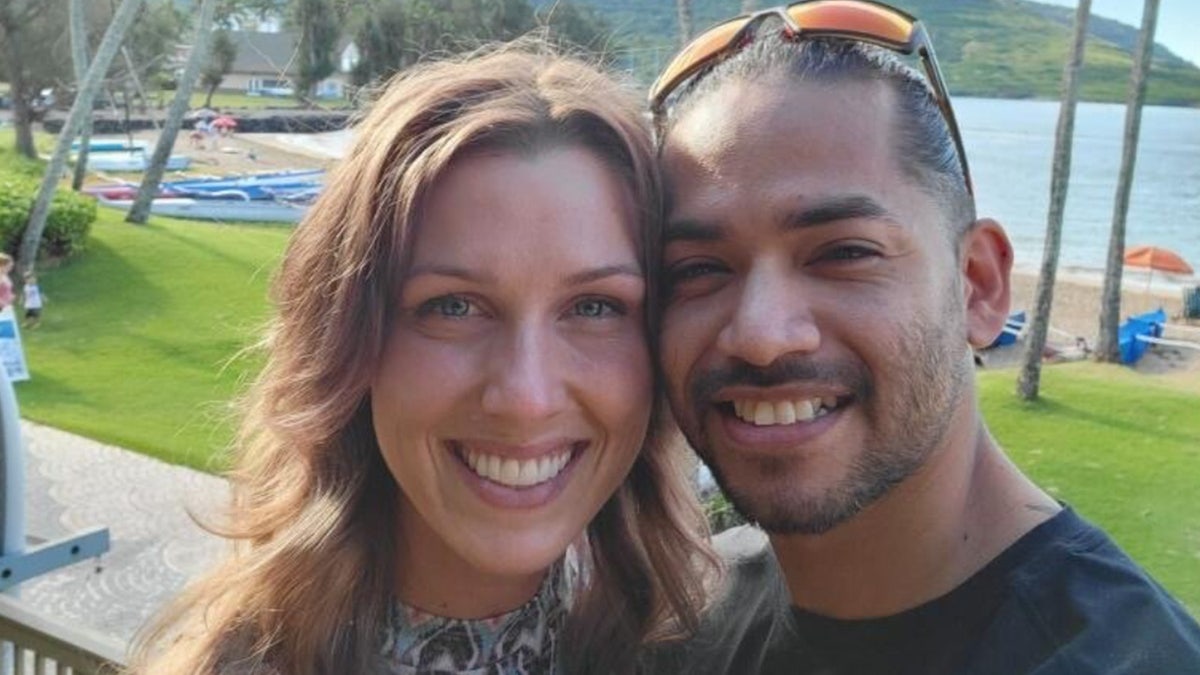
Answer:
x=929 y=534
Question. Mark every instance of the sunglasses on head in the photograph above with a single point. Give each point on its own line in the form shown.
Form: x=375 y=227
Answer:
x=859 y=20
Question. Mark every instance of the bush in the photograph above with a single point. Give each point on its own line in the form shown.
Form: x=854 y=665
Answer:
x=67 y=226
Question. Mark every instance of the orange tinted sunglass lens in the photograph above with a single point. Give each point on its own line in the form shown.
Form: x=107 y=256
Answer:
x=855 y=17
x=699 y=51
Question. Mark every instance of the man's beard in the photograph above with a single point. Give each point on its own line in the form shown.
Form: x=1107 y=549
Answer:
x=896 y=446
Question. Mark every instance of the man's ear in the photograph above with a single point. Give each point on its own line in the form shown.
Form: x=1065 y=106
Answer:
x=987 y=260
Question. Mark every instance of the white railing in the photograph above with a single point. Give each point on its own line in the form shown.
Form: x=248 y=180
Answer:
x=42 y=647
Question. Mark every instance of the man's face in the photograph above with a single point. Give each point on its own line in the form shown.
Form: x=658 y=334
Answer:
x=814 y=341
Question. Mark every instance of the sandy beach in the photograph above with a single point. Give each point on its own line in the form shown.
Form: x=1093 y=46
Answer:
x=235 y=153
x=1076 y=312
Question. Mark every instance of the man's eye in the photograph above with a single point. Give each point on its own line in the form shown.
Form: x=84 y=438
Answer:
x=687 y=271
x=849 y=253
x=598 y=308
x=449 y=306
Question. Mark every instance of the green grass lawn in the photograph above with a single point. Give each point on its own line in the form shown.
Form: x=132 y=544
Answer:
x=139 y=337
x=228 y=100
x=1123 y=449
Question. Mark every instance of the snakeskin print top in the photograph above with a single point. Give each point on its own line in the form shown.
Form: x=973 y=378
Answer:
x=521 y=642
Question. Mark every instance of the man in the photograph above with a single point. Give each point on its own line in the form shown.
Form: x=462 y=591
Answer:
x=826 y=277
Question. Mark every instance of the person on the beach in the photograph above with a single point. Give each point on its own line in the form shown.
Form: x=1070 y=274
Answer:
x=453 y=460
x=32 y=301
x=199 y=133
x=6 y=284
x=825 y=279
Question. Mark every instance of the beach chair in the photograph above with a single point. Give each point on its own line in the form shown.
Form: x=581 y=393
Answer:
x=1012 y=330
x=1138 y=332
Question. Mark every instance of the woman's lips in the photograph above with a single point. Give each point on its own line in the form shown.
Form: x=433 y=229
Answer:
x=511 y=482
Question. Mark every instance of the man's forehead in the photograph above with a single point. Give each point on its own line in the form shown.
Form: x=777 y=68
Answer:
x=742 y=110
x=770 y=131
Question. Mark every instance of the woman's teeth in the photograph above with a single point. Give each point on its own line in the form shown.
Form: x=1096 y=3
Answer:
x=768 y=413
x=517 y=472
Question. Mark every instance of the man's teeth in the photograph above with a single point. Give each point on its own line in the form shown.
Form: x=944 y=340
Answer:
x=517 y=472
x=767 y=413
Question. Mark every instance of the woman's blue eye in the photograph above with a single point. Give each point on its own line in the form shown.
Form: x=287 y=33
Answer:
x=597 y=308
x=452 y=306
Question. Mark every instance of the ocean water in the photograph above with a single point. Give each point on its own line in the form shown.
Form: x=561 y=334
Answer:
x=1011 y=144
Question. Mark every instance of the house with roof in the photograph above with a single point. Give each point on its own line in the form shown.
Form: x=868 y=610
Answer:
x=267 y=63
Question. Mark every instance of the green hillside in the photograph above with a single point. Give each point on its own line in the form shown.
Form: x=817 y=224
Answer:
x=993 y=48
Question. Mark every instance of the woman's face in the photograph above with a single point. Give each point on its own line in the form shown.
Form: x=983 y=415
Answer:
x=515 y=386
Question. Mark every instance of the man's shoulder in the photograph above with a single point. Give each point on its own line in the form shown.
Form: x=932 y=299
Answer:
x=1078 y=604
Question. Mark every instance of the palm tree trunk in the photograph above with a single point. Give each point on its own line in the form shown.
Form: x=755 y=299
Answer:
x=683 y=8
x=79 y=60
x=113 y=36
x=1107 y=348
x=179 y=105
x=1060 y=178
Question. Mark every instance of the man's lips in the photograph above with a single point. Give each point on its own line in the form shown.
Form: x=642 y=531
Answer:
x=778 y=420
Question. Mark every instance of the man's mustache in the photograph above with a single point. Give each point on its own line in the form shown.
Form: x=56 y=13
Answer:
x=800 y=370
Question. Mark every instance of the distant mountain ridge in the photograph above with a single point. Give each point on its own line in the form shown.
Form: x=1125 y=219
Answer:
x=990 y=48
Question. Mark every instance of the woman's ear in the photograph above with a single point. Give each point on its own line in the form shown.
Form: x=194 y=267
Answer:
x=987 y=260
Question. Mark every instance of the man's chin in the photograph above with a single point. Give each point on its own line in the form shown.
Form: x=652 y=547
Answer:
x=791 y=514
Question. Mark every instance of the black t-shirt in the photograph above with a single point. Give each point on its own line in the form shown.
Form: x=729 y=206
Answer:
x=1062 y=599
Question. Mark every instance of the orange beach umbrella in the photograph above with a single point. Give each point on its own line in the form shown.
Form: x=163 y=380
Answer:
x=1154 y=258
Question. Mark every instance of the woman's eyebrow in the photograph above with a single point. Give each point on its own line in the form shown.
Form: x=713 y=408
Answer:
x=604 y=272
x=450 y=271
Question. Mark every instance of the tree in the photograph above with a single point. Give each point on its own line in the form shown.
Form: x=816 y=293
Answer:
x=1060 y=178
x=580 y=26
x=179 y=105
x=683 y=9
x=149 y=48
x=319 y=30
x=30 y=29
x=88 y=89
x=79 y=60
x=380 y=38
x=222 y=52
x=1108 y=348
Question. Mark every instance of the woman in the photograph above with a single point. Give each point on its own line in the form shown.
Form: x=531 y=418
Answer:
x=458 y=390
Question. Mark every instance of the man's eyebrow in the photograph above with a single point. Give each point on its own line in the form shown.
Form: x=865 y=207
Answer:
x=604 y=272
x=692 y=230
x=833 y=209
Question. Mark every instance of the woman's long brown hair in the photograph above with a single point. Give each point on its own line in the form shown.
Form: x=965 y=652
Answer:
x=309 y=582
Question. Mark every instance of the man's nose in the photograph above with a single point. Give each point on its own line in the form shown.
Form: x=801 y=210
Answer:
x=773 y=318
x=525 y=380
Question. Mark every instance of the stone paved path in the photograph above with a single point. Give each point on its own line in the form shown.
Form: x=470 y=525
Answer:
x=73 y=484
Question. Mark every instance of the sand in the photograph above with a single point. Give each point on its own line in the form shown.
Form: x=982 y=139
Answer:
x=1076 y=312
x=234 y=153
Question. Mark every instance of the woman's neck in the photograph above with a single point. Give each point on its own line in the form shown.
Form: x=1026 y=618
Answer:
x=433 y=578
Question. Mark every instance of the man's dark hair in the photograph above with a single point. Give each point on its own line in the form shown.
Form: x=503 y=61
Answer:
x=924 y=146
